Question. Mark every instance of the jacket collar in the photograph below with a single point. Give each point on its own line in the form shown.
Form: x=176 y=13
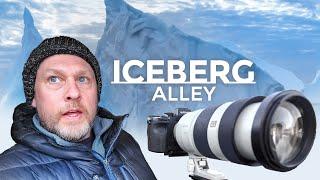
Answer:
x=26 y=130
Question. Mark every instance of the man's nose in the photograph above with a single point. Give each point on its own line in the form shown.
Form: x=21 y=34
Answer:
x=73 y=91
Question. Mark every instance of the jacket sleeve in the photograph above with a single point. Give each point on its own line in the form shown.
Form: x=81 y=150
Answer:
x=131 y=153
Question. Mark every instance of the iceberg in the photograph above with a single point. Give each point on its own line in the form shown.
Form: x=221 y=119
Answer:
x=31 y=38
x=132 y=34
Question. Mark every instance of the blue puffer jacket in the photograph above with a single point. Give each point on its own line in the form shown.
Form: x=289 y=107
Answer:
x=40 y=154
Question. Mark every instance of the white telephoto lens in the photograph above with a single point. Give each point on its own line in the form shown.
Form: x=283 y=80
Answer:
x=276 y=131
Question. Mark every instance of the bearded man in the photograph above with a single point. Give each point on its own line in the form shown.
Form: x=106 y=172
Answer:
x=60 y=131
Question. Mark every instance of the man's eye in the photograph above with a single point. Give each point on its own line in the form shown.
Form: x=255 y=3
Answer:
x=54 y=79
x=83 y=79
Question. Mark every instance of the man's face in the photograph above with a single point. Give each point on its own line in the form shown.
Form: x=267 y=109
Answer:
x=66 y=96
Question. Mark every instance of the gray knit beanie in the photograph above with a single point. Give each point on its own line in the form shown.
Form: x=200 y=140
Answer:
x=50 y=47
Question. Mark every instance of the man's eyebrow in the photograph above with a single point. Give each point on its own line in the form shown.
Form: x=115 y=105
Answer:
x=84 y=72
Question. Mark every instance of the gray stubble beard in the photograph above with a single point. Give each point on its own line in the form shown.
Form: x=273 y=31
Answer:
x=68 y=133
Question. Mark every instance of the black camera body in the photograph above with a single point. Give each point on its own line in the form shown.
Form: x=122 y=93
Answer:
x=160 y=133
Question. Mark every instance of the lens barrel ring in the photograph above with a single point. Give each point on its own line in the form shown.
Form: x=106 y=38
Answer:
x=200 y=134
x=227 y=129
x=261 y=126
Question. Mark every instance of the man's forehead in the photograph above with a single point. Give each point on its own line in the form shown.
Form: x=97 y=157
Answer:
x=65 y=63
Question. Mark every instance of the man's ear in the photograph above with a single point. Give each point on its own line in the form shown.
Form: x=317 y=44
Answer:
x=34 y=104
